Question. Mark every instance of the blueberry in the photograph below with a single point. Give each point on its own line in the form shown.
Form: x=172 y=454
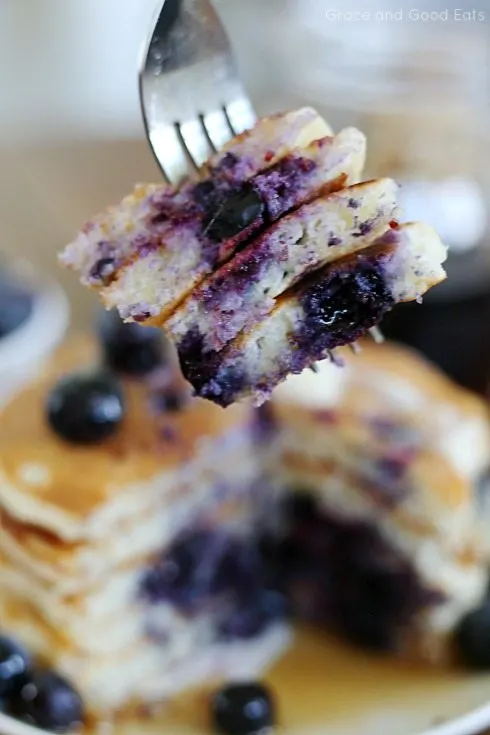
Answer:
x=189 y=572
x=85 y=408
x=234 y=213
x=201 y=566
x=102 y=270
x=169 y=401
x=341 y=306
x=48 y=701
x=131 y=348
x=241 y=569
x=242 y=709
x=254 y=615
x=205 y=194
x=367 y=626
x=472 y=638
x=16 y=304
x=299 y=506
x=14 y=662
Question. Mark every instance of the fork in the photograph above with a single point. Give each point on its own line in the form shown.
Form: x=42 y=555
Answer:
x=192 y=98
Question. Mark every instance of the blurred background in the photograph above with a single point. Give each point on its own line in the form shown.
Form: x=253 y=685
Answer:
x=413 y=76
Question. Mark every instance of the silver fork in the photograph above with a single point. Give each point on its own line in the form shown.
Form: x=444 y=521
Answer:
x=191 y=95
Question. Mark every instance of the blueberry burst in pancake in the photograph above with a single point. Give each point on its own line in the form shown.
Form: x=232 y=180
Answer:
x=274 y=218
x=245 y=289
x=147 y=254
x=333 y=307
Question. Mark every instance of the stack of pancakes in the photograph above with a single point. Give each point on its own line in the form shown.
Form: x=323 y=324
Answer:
x=362 y=480
x=81 y=525
x=390 y=444
x=273 y=257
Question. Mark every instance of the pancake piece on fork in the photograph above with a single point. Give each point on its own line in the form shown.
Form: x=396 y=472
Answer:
x=220 y=261
x=334 y=306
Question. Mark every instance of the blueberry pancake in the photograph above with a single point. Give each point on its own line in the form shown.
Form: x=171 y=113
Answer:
x=151 y=542
x=123 y=226
x=335 y=306
x=271 y=139
x=146 y=255
x=245 y=289
x=385 y=500
x=237 y=266
x=126 y=553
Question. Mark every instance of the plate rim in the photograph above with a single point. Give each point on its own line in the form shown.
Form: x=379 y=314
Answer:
x=470 y=723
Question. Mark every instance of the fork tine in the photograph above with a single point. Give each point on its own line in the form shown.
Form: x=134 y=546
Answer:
x=216 y=128
x=377 y=335
x=195 y=142
x=355 y=348
x=240 y=115
x=168 y=153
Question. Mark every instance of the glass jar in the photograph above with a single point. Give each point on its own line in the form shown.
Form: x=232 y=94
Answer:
x=416 y=81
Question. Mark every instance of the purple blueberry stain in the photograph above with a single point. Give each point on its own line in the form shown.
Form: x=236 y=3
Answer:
x=102 y=270
x=106 y=263
x=345 y=575
x=203 y=370
x=364 y=228
x=281 y=184
x=201 y=567
x=391 y=469
x=388 y=484
x=264 y=422
x=353 y=203
x=392 y=430
x=249 y=617
x=145 y=247
x=228 y=163
x=168 y=434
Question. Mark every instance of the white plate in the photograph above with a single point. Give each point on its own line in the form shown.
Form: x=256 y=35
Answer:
x=325 y=688
x=23 y=351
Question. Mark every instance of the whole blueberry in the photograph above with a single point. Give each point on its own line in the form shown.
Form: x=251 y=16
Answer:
x=242 y=709
x=16 y=304
x=130 y=348
x=472 y=638
x=14 y=663
x=47 y=700
x=86 y=408
x=234 y=213
x=170 y=400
